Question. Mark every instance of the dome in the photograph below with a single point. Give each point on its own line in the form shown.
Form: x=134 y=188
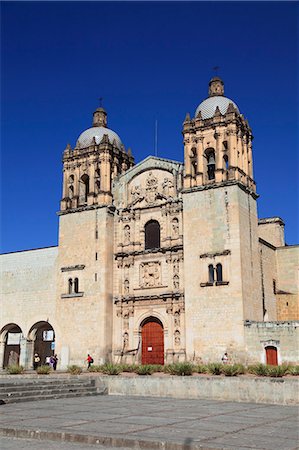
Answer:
x=86 y=138
x=207 y=107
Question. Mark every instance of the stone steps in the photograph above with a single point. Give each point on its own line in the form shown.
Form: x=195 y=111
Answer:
x=23 y=391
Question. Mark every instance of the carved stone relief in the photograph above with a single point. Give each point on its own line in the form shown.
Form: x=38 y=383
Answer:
x=150 y=274
x=177 y=337
x=127 y=234
x=177 y=320
x=175 y=228
x=176 y=282
x=152 y=190
x=126 y=287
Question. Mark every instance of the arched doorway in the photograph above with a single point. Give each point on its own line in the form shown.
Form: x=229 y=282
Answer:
x=271 y=355
x=152 y=334
x=11 y=336
x=42 y=333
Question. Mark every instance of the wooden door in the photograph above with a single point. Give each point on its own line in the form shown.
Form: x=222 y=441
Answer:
x=152 y=343
x=271 y=356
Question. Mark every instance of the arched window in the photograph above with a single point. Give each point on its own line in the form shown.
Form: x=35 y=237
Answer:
x=152 y=234
x=193 y=155
x=225 y=162
x=211 y=163
x=211 y=273
x=70 y=286
x=76 y=285
x=85 y=181
x=219 y=272
x=71 y=191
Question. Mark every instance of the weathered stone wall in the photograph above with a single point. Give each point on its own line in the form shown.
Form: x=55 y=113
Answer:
x=282 y=335
x=220 y=226
x=287 y=285
x=272 y=230
x=28 y=288
x=239 y=389
x=86 y=253
x=269 y=278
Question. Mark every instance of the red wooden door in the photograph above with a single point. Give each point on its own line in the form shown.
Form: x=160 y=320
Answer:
x=152 y=343
x=271 y=356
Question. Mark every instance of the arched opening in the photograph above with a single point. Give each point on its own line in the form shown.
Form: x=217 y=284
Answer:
x=11 y=336
x=219 y=276
x=152 y=338
x=152 y=234
x=271 y=355
x=42 y=333
x=70 y=286
x=84 y=188
x=76 y=285
x=211 y=273
x=193 y=159
x=211 y=163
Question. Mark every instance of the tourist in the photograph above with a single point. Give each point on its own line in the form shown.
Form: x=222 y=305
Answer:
x=224 y=358
x=89 y=360
x=55 y=360
x=36 y=361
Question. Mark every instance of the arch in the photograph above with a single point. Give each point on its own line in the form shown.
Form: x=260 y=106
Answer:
x=271 y=355
x=211 y=273
x=11 y=336
x=152 y=234
x=219 y=276
x=70 y=286
x=152 y=341
x=211 y=163
x=85 y=187
x=43 y=335
x=76 y=285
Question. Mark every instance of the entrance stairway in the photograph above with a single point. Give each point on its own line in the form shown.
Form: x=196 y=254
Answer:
x=26 y=390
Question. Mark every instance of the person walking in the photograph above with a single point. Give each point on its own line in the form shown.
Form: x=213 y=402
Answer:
x=36 y=361
x=224 y=358
x=55 y=360
x=89 y=360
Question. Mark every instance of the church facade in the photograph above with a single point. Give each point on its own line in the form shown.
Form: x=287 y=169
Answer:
x=157 y=262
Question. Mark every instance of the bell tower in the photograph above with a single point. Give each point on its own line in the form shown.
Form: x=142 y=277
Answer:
x=221 y=255
x=217 y=142
x=89 y=168
x=86 y=239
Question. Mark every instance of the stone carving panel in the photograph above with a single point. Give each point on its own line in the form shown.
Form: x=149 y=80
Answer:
x=150 y=274
x=151 y=187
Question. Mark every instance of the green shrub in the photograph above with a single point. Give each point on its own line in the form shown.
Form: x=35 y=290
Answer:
x=111 y=369
x=129 y=367
x=201 y=368
x=183 y=369
x=158 y=368
x=258 y=369
x=14 y=369
x=293 y=370
x=74 y=370
x=146 y=369
x=277 y=371
x=95 y=368
x=215 y=368
x=43 y=370
x=241 y=368
x=230 y=370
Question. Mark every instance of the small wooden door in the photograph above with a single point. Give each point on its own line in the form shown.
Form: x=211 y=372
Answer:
x=271 y=356
x=152 y=343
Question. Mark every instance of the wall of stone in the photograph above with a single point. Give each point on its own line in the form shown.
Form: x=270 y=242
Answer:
x=28 y=288
x=238 y=389
x=86 y=253
x=269 y=278
x=287 y=285
x=282 y=335
x=272 y=230
x=220 y=227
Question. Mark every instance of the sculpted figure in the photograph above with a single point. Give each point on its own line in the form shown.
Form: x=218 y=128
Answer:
x=127 y=234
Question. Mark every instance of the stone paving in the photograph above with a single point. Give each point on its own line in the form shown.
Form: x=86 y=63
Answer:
x=147 y=423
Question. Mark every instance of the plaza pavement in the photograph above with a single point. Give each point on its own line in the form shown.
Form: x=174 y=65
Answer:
x=147 y=423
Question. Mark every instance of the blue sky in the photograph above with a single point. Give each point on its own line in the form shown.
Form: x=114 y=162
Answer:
x=149 y=61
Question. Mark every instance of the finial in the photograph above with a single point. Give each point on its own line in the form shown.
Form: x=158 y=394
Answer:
x=129 y=151
x=187 y=118
x=216 y=87
x=217 y=112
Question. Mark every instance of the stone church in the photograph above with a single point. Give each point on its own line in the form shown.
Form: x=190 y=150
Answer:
x=157 y=262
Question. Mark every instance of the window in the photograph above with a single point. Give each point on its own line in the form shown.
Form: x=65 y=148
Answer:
x=211 y=164
x=85 y=181
x=219 y=272
x=70 y=286
x=274 y=287
x=225 y=162
x=76 y=285
x=152 y=234
x=211 y=273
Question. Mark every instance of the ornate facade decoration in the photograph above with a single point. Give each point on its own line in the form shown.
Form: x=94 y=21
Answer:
x=150 y=274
